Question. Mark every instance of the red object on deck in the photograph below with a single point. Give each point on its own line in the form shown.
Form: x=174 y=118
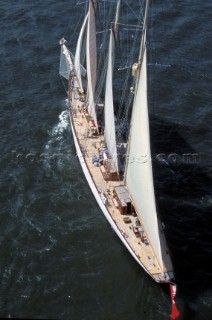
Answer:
x=175 y=312
x=93 y=123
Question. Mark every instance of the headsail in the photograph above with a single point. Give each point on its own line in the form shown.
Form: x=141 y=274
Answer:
x=78 y=68
x=91 y=59
x=110 y=133
x=138 y=174
x=66 y=64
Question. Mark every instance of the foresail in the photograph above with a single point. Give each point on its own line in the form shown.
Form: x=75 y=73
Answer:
x=79 y=70
x=139 y=176
x=91 y=60
x=66 y=64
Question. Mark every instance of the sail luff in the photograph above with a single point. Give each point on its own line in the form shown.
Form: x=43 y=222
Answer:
x=91 y=59
x=77 y=64
x=138 y=173
x=110 y=132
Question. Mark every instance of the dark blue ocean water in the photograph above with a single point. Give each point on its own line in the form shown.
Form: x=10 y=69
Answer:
x=59 y=258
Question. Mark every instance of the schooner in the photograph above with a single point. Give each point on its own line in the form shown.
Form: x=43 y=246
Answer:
x=123 y=189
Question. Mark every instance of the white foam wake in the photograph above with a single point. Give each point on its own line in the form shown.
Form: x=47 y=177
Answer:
x=59 y=129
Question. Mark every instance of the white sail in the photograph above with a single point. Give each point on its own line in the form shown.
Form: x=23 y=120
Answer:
x=110 y=132
x=66 y=64
x=91 y=60
x=79 y=70
x=139 y=177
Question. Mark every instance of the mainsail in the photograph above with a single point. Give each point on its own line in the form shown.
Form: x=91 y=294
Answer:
x=79 y=70
x=110 y=133
x=138 y=174
x=91 y=59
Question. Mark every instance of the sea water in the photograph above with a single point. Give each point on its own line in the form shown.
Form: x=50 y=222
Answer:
x=59 y=257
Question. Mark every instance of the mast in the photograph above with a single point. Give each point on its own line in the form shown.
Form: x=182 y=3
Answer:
x=117 y=16
x=138 y=173
x=110 y=132
x=77 y=65
x=91 y=59
x=143 y=38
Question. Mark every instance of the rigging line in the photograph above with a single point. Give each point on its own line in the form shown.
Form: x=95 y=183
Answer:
x=102 y=63
x=131 y=10
x=122 y=130
x=136 y=36
x=128 y=103
x=128 y=72
x=111 y=1
x=63 y=82
x=101 y=81
x=125 y=112
x=131 y=25
x=130 y=99
x=77 y=26
x=103 y=22
x=101 y=78
x=99 y=32
x=140 y=3
x=130 y=29
x=102 y=53
x=106 y=21
x=138 y=25
x=113 y=151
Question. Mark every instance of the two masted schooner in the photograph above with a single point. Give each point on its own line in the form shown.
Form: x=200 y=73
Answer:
x=116 y=163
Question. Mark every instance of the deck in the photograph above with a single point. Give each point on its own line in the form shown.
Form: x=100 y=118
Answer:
x=89 y=145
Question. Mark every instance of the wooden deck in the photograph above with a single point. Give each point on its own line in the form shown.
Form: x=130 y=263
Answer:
x=89 y=145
